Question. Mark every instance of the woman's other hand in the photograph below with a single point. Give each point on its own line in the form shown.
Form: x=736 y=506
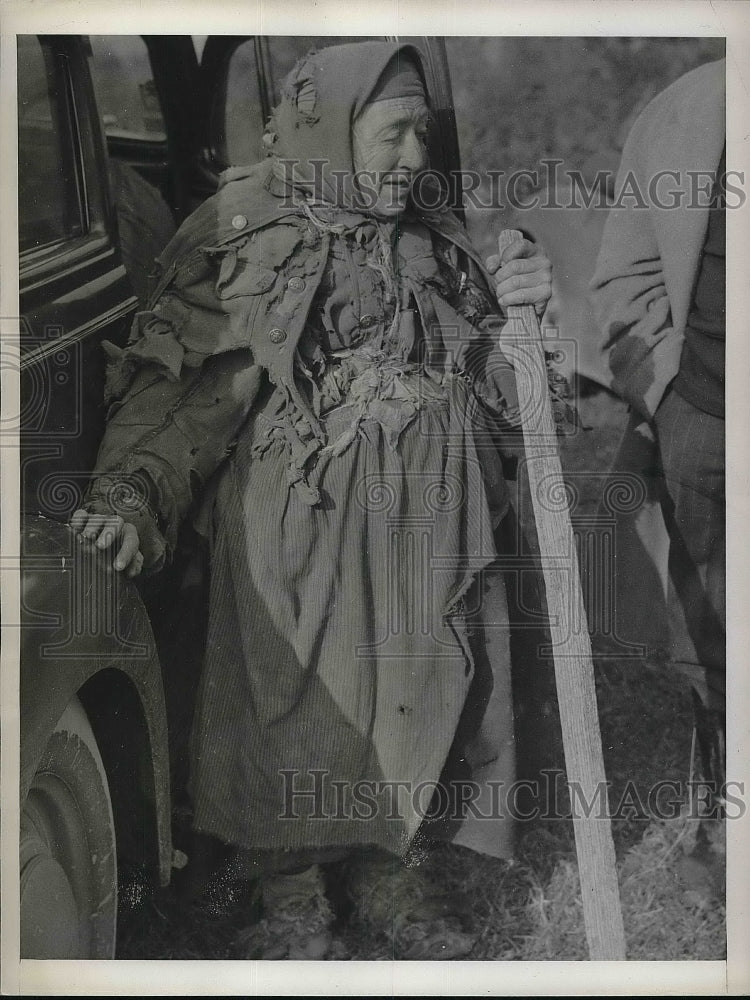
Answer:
x=523 y=276
x=110 y=532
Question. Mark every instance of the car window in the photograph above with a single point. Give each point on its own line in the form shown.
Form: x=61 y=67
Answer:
x=49 y=206
x=125 y=92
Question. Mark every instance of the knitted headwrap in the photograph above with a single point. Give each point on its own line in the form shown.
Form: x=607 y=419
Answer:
x=310 y=132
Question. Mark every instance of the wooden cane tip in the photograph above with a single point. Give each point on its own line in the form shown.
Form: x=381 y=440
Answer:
x=508 y=236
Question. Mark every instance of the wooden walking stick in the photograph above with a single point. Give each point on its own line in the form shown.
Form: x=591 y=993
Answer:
x=521 y=341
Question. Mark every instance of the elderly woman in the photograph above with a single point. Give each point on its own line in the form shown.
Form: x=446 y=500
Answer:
x=318 y=386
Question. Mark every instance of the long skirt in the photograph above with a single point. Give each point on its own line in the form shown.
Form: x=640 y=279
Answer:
x=358 y=649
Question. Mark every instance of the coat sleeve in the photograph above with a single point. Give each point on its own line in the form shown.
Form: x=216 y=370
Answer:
x=174 y=414
x=628 y=290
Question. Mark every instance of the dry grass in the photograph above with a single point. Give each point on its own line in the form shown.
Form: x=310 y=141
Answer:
x=664 y=917
x=491 y=896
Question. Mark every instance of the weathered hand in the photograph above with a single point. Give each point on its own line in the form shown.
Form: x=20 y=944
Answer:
x=523 y=276
x=108 y=530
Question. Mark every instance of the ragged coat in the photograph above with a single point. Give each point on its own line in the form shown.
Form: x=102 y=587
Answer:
x=215 y=416
x=235 y=287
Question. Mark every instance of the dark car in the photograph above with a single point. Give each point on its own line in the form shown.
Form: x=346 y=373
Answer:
x=120 y=138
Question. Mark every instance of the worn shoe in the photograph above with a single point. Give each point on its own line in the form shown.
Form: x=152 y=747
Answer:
x=419 y=921
x=297 y=919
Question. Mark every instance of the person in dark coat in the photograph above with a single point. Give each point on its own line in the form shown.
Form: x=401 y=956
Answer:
x=318 y=386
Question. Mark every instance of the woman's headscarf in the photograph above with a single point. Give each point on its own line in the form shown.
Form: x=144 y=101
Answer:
x=320 y=100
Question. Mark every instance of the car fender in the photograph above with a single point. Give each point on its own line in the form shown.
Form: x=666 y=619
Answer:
x=85 y=632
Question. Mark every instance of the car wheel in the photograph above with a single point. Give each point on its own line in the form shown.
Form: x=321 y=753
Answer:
x=68 y=852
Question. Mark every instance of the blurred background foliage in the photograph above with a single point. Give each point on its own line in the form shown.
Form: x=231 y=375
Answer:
x=520 y=99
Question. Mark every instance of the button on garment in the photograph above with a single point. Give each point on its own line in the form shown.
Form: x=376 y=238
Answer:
x=357 y=297
x=277 y=335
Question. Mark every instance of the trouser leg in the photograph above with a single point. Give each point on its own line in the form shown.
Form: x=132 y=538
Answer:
x=691 y=445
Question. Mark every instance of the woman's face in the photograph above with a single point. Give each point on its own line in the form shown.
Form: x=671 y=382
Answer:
x=389 y=141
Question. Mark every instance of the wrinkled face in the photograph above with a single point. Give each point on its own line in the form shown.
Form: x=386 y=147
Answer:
x=389 y=142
